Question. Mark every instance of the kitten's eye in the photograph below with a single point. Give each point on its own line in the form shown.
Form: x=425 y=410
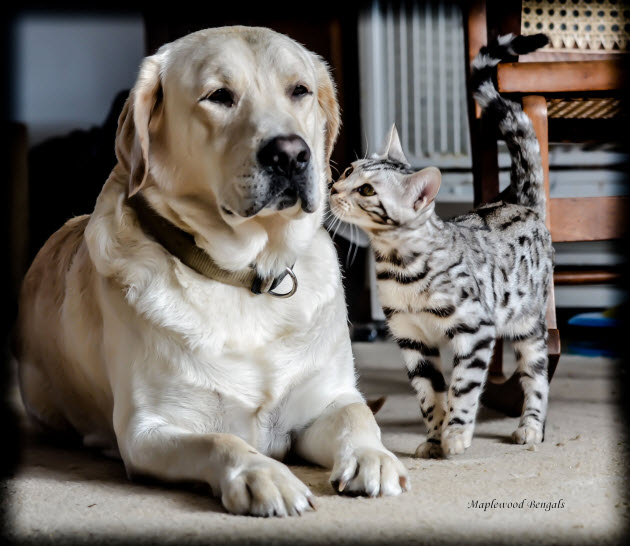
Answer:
x=300 y=91
x=222 y=96
x=366 y=190
x=347 y=172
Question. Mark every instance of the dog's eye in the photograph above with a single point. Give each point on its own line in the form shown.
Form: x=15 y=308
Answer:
x=347 y=172
x=300 y=91
x=366 y=190
x=222 y=96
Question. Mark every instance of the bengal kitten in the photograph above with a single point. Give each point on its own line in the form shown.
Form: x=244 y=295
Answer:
x=465 y=281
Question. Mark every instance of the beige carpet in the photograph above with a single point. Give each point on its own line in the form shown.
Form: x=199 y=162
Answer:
x=577 y=477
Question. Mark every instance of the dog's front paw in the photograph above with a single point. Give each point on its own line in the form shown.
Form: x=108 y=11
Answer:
x=369 y=471
x=265 y=487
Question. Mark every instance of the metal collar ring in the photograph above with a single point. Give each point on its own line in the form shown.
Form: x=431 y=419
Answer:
x=293 y=288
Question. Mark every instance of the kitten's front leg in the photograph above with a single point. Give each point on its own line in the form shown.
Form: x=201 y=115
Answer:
x=472 y=350
x=425 y=375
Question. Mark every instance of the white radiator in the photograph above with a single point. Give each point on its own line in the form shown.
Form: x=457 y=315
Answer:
x=412 y=70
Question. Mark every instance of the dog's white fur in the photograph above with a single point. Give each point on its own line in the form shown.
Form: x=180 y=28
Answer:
x=188 y=378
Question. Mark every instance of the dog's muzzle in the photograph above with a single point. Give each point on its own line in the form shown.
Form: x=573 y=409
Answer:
x=287 y=159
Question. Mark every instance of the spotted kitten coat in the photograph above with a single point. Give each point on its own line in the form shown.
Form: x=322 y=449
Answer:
x=465 y=281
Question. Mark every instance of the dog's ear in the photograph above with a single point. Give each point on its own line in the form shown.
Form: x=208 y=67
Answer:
x=327 y=98
x=141 y=113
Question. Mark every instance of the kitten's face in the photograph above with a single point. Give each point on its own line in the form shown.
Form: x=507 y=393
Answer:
x=384 y=191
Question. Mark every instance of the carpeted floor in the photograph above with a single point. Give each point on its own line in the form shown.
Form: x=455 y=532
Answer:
x=576 y=478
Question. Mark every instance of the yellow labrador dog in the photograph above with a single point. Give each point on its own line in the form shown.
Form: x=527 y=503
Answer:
x=152 y=328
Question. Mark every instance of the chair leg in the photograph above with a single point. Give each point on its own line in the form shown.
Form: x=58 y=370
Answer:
x=553 y=336
x=535 y=106
x=502 y=394
x=485 y=161
x=496 y=364
x=506 y=395
x=553 y=351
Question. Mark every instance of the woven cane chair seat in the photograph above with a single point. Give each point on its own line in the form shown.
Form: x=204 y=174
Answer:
x=580 y=30
x=593 y=26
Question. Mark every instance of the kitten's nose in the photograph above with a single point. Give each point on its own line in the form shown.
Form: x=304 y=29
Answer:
x=333 y=190
x=285 y=155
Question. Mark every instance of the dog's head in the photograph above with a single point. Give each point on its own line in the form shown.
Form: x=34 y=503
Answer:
x=231 y=128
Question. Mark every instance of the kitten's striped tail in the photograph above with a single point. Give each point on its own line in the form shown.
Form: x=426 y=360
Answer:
x=526 y=176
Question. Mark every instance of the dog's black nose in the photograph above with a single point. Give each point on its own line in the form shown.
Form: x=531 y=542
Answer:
x=285 y=155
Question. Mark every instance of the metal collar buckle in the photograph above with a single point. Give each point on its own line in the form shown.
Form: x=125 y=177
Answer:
x=288 y=294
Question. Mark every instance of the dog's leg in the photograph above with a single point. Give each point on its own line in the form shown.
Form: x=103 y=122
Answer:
x=347 y=439
x=247 y=481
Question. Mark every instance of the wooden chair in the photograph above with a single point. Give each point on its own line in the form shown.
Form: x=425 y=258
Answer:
x=571 y=91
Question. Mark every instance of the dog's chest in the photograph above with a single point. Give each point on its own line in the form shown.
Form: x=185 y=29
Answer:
x=231 y=361
x=235 y=368
x=239 y=393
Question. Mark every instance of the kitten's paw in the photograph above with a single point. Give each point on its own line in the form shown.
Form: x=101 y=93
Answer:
x=429 y=450
x=455 y=441
x=369 y=471
x=528 y=434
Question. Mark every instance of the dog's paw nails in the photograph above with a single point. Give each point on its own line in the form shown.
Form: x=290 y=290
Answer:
x=338 y=485
x=370 y=472
x=312 y=503
x=267 y=488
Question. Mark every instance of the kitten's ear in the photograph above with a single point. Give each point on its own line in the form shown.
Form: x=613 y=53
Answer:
x=422 y=187
x=392 y=148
